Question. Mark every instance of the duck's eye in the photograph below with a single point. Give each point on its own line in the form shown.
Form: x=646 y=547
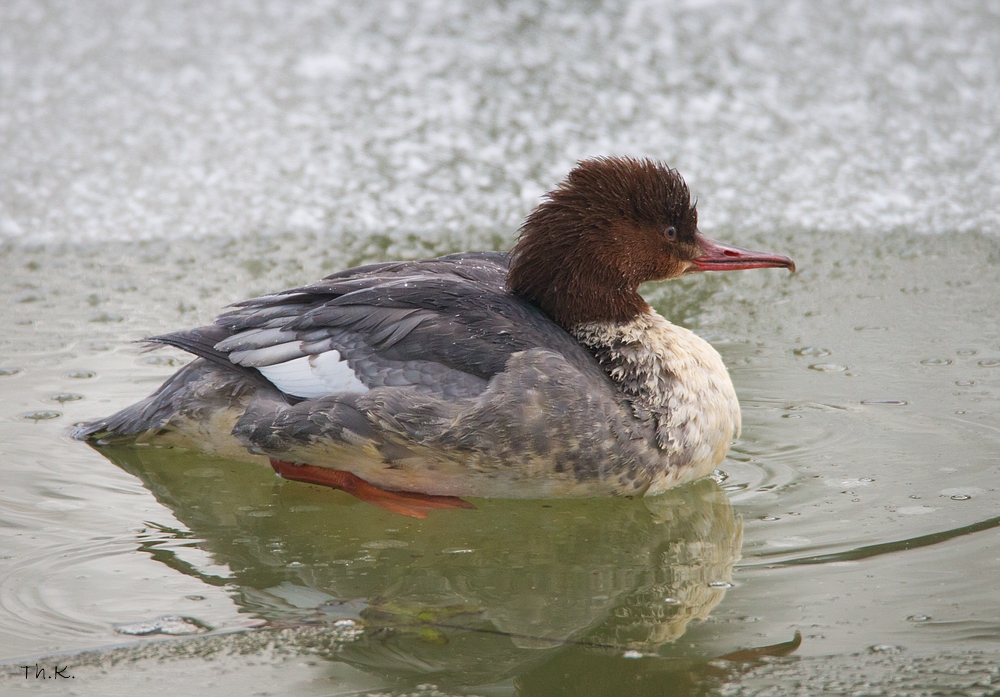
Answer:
x=671 y=233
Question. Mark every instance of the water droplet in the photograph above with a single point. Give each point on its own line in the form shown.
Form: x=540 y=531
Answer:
x=936 y=361
x=457 y=550
x=965 y=383
x=720 y=476
x=868 y=479
x=915 y=497
x=812 y=351
x=63 y=397
x=167 y=361
x=194 y=597
x=918 y=618
x=960 y=497
x=720 y=584
x=966 y=352
x=828 y=367
x=385 y=544
x=960 y=411
x=81 y=374
x=41 y=415
x=7 y=372
x=886 y=402
x=791 y=416
x=632 y=654
x=671 y=601
x=769 y=518
x=989 y=363
x=349 y=630
x=170 y=625
x=884 y=648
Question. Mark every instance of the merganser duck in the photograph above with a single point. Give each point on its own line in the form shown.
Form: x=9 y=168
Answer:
x=540 y=373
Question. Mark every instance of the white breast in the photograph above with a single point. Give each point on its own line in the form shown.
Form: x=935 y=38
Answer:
x=678 y=378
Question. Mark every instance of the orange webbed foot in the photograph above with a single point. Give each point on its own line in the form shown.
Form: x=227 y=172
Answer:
x=403 y=502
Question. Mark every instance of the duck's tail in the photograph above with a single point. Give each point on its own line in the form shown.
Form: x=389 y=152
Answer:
x=151 y=413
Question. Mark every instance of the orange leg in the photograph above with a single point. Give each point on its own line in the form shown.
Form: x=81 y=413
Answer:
x=405 y=502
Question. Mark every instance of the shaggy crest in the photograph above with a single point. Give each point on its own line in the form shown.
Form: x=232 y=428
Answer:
x=612 y=224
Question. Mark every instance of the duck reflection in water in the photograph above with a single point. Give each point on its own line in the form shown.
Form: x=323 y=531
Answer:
x=469 y=604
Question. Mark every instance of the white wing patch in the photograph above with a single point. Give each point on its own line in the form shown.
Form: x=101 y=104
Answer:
x=319 y=375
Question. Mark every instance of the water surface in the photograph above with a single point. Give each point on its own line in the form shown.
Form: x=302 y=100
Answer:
x=160 y=163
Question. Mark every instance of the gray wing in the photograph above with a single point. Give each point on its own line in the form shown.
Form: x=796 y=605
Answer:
x=444 y=326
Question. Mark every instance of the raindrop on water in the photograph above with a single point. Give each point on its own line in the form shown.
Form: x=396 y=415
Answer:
x=720 y=584
x=887 y=402
x=41 y=415
x=81 y=374
x=828 y=367
x=989 y=363
x=385 y=544
x=7 y=372
x=965 y=383
x=167 y=361
x=770 y=518
x=960 y=497
x=884 y=648
x=62 y=397
x=966 y=352
x=170 y=625
x=918 y=618
x=936 y=361
x=812 y=351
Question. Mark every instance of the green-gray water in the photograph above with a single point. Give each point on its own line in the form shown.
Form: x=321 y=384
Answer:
x=160 y=163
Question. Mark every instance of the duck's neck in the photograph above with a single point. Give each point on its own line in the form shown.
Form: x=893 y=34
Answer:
x=674 y=381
